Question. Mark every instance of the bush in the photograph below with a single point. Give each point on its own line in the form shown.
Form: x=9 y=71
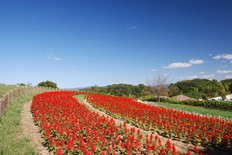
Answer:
x=225 y=105
x=48 y=84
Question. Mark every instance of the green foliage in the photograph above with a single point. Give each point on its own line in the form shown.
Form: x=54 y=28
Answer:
x=48 y=84
x=5 y=88
x=228 y=84
x=10 y=141
x=24 y=84
x=225 y=105
x=21 y=84
x=125 y=90
x=194 y=109
x=196 y=88
x=199 y=88
x=174 y=90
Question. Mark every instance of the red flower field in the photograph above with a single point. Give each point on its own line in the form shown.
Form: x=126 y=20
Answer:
x=69 y=127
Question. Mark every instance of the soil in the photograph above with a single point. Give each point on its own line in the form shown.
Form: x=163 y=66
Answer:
x=31 y=131
x=180 y=146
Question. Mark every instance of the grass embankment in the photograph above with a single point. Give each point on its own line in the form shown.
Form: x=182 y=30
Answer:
x=11 y=142
x=5 y=88
x=226 y=114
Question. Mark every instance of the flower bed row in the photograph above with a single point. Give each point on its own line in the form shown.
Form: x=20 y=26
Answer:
x=199 y=130
x=69 y=127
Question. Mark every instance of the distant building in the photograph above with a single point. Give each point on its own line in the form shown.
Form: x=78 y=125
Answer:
x=229 y=97
x=183 y=98
x=219 y=98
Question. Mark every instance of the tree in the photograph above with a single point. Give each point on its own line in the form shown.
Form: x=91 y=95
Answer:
x=158 y=85
x=173 y=90
x=21 y=84
x=48 y=84
x=29 y=84
x=228 y=84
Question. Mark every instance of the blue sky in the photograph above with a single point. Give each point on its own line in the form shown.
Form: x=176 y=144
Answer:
x=78 y=43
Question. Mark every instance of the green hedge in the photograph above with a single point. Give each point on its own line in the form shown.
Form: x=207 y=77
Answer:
x=210 y=104
x=225 y=105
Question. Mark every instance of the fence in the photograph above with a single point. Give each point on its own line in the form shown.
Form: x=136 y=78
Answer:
x=19 y=91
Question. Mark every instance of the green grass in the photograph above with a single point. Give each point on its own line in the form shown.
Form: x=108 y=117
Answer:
x=80 y=97
x=200 y=110
x=10 y=141
x=5 y=88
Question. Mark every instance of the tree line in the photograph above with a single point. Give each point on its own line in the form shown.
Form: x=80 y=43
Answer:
x=124 y=90
x=196 y=88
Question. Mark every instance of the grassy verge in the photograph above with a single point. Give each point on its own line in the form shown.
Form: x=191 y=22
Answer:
x=199 y=110
x=5 y=88
x=10 y=141
x=80 y=97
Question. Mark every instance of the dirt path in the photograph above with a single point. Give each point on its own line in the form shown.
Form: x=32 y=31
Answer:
x=31 y=131
x=180 y=146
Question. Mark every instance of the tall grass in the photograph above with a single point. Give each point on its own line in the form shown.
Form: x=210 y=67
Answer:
x=10 y=141
x=5 y=88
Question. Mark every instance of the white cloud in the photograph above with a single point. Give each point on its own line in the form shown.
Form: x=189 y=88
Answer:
x=165 y=74
x=208 y=76
x=196 y=61
x=53 y=58
x=133 y=27
x=154 y=70
x=184 y=64
x=228 y=56
x=178 y=65
x=193 y=77
x=218 y=56
x=229 y=76
x=223 y=56
x=56 y=58
x=224 y=71
x=224 y=66
x=202 y=72
x=180 y=77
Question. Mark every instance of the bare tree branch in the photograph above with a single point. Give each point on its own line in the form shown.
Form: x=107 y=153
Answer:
x=158 y=85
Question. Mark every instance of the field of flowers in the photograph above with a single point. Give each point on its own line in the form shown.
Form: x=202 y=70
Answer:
x=189 y=128
x=69 y=127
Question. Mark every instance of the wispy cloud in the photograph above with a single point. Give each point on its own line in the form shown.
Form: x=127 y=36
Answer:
x=193 y=77
x=184 y=64
x=208 y=76
x=180 y=77
x=224 y=66
x=196 y=61
x=229 y=76
x=53 y=58
x=202 y=72
x=178 y=65
x=56 y=58
x=133 y=27
x=224 y=71
x=224 y=56
x=154 y=70
x=165 y=74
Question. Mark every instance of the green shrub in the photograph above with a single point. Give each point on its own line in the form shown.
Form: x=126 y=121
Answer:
x=225 y=105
